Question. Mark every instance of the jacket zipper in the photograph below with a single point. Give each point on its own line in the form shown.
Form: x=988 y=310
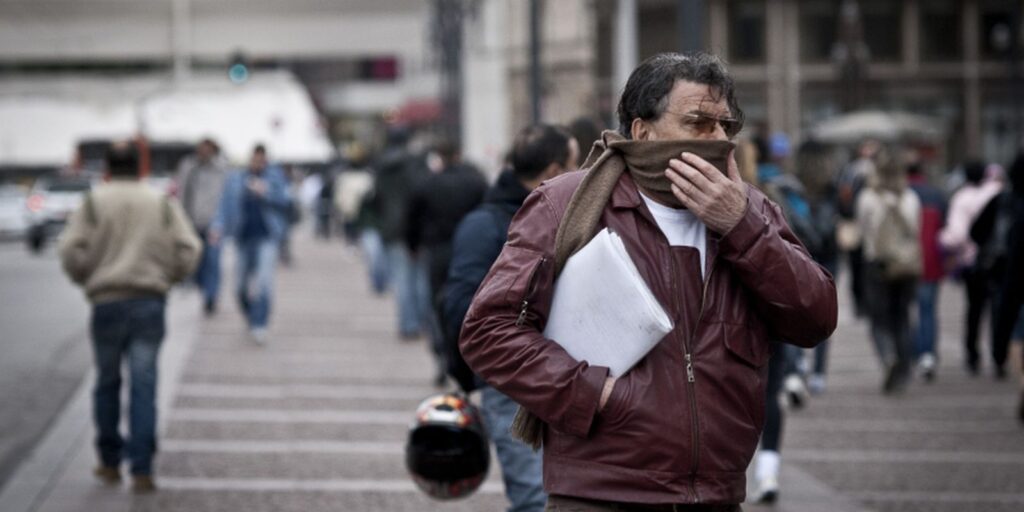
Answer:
x=530 y=289
x=691 y=380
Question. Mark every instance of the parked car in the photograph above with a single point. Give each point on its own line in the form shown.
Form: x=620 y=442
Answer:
x=12 y=212
x=48 y=206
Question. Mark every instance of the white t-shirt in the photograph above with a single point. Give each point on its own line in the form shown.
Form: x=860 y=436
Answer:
x=681 y=227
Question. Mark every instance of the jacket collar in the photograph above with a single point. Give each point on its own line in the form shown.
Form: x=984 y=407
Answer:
x=625 y=194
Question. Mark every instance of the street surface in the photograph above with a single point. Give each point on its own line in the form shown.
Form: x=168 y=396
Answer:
x=317 y=419
x=45 y=346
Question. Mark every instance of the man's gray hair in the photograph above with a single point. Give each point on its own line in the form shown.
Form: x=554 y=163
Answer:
x=648 y=88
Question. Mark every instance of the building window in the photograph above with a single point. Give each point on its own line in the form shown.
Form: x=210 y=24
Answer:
x=819 y=21
x=940 y=30
x=997 y=29
x=882 y=28
x=746 y=30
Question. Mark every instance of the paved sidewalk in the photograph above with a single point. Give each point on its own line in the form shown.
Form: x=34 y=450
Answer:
x=317 y=419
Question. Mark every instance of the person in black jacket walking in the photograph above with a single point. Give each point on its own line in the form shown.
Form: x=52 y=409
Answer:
x=539 y=152
x=437 y=204
x=1010 y=290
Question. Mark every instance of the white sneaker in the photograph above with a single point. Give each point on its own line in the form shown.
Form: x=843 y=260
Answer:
x=259 y=335
x=796 y=391
x=926 y=365
x=767 y=475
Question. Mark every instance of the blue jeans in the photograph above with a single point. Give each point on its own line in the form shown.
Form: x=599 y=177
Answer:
x=208 y=272
x=257 y=259
x=412 y=290
x=376 y=259
x=133 y=330
x=521 y=467
x=924 y=338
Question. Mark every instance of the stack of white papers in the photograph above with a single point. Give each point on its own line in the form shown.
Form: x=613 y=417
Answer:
x=602 y=311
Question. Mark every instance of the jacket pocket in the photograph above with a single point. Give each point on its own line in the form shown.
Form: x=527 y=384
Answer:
x=749 y=344
x=520 y=274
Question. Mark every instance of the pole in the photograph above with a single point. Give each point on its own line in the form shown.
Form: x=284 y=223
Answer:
x=690 y=19
x=535 y=70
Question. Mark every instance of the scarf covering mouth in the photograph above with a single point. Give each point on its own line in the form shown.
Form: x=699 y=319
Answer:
x=646 y=162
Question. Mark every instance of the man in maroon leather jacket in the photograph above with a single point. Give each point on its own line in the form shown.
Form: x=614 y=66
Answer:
x=678 y=430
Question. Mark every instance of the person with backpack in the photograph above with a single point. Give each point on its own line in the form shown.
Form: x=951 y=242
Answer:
x=889 y=216
x=996 y=231
x=964 y=208
x=1011 y=292
x=539 y=152
x=126 y=245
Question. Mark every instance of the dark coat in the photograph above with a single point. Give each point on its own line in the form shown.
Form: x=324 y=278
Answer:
x=396 y=174
x=477 y=243
x=437 y=205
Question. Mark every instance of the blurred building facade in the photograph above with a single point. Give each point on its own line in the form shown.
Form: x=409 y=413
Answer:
x=360 y=60
x=958 y=61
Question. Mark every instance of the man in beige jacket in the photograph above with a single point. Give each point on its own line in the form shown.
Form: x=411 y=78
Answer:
x=126 y=245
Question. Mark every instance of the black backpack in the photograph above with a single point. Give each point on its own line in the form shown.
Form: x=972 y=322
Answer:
x=991 y=232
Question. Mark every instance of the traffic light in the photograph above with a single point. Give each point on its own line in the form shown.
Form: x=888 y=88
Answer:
x=238 y=69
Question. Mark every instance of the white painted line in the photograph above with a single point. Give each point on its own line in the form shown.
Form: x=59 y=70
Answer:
x=940 y=496
x=381 y=392
x=285 y=416
x=922 y=426
x=922 y=456
x=285 y=485
x=334 y=447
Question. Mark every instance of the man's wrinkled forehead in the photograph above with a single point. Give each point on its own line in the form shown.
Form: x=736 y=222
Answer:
x=690 y=97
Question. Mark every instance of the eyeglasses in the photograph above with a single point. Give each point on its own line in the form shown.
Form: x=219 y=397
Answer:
x=704 y=124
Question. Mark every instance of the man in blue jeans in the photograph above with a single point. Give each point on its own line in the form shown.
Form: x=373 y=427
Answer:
x=200 y=184
x=539 y=152
x=126 y=245
x=253 y=211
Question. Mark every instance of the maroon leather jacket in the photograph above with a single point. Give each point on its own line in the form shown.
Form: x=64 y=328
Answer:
x=683 y=424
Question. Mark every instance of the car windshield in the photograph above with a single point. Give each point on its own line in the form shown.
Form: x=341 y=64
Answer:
x=68 y=186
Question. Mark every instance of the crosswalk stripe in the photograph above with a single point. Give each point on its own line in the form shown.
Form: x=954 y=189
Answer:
x=924 y=456
x=295 y=485
x=287 y=416
x=375 y=392
x=940 y=496
x=307 y=446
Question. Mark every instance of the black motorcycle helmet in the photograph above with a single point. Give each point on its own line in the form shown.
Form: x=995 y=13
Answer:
x=447 y=452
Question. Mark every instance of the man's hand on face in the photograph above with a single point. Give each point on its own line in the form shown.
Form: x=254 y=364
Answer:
x=719 y=201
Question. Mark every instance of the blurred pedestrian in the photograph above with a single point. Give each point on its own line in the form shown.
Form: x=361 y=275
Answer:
x=539 y=152
x=126 y=245
x=849 y=184
x=293 y=213
x=586 y=132
x=933 y=218
x=964 y=208
x=254 y=212
x=889 y=215
x=677 y=430
x=200 y=183
x=1011 y=293
x=812 y=170
x=396 y=172
x=994 y=233
x=325 y=206
x=436 y=207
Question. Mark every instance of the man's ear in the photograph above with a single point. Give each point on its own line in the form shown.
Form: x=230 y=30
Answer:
x=639 y=129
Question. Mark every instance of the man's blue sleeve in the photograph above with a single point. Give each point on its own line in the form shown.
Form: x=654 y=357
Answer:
x=477 y=243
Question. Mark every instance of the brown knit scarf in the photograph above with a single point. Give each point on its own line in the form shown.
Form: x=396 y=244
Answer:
x=614 y=154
